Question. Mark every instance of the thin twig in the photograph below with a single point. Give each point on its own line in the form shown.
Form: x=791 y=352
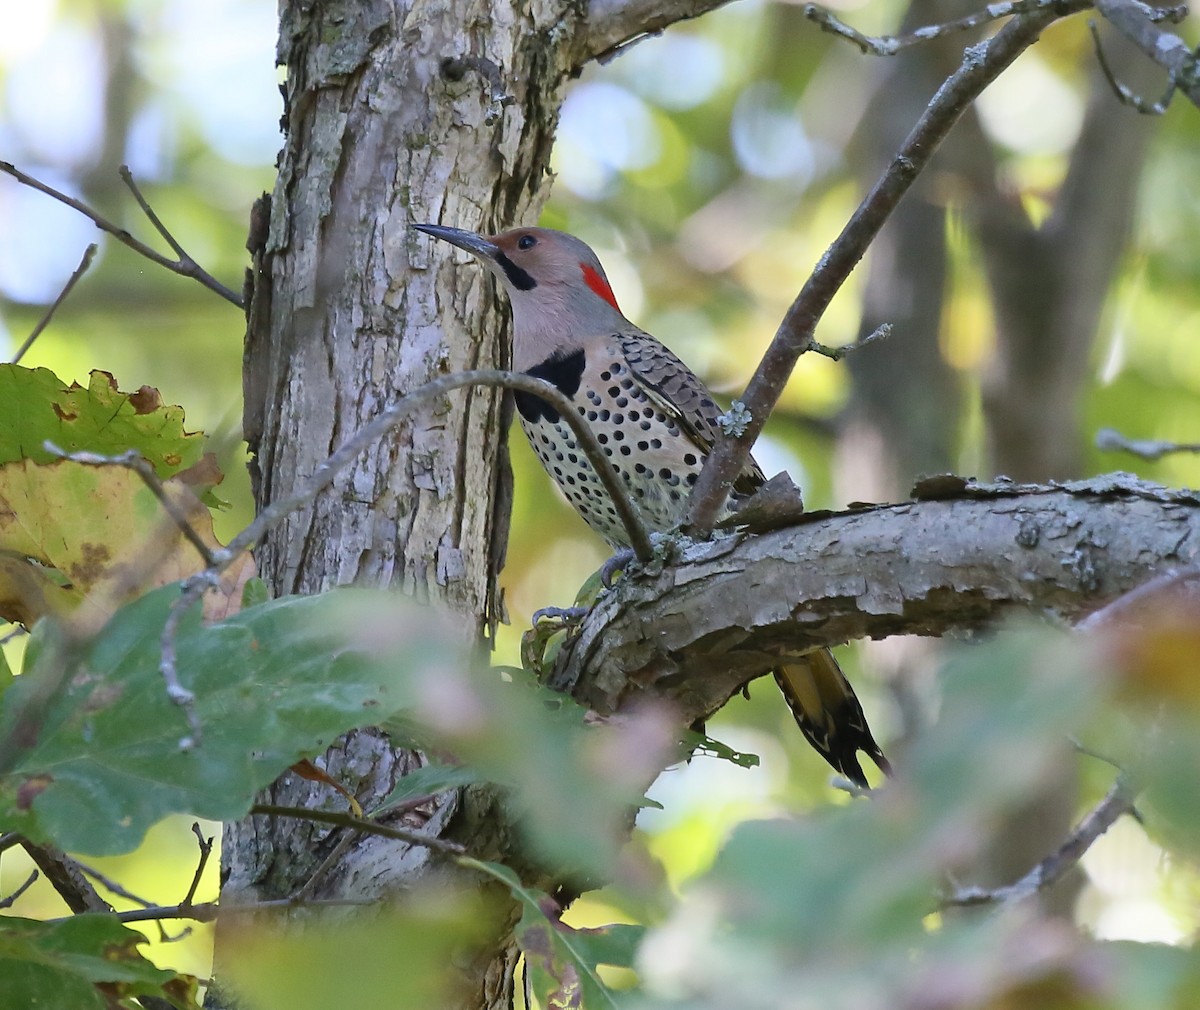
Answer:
x=127 y=178
x=17 y=632
x=305 y=890
x=1124 y=94
x=12 y=898
x=1168 y=50
x=195 y=586
x=881 y=332
x=889 y=45
x=111 y=885
x=133 y=460
x=206 y=845
x=185 y=266
x=210 y=911
x=78 y=272
x=368 y=827
x=981 y=65
x=1116 y=803
x=1109 y=440
x=324 y=474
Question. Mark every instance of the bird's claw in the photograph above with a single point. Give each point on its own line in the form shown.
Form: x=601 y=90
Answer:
x=617 y=563
x=564 y=615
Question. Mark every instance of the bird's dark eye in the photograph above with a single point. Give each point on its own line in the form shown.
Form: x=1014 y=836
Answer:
x=526 y=242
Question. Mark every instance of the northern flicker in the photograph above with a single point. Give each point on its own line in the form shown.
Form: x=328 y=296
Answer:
x=656 y=421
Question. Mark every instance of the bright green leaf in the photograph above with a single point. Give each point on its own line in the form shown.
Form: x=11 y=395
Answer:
x=36 y=406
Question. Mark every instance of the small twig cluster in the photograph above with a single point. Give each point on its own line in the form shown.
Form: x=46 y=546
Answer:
x=184 y=265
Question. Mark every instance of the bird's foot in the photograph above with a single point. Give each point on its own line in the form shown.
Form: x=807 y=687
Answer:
x=565 y=616
x=617 y=563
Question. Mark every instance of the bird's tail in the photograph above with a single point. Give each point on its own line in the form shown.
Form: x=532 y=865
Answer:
x=828 y=713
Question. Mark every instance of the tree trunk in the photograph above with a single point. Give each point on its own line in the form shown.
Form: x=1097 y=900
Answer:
x=396 y=111
x=350 y=309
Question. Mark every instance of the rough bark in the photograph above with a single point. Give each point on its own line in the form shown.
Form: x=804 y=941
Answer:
x=350 y=309
x=396 y=111
x=695 y=632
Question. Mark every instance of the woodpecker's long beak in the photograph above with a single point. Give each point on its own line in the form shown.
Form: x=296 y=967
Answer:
x=477 y=245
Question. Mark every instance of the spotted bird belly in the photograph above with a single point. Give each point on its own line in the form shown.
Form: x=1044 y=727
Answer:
x=653 y=458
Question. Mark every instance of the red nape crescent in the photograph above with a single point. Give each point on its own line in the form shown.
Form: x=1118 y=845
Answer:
x=598 y=284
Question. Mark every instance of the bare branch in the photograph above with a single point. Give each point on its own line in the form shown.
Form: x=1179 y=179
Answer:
x=12 y=898
x=210 y=911
x=1124 y=94
x=185 y=266
x=206 y=845
x=1116 y=803
x=303 y=892
x=361 y=824
x=881 y=332
x=67 y=877
x=78 y=272
x=889 y=45
x=1110 y=440
x=1134 y=20
x=611 y=26
x=366 y=436
x=981 y=65
x=111 y=885
x=959 y=558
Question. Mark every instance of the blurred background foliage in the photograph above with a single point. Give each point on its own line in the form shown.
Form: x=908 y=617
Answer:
x=710 y=167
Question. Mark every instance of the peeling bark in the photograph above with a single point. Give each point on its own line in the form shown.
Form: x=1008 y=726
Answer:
x=695 y=632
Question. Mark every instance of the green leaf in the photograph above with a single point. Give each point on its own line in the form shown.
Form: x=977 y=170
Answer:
x=428 y=780
x=254 y=592
x=700 y=743
x=95 y=760
x=36 y=406
x=563 y=960
x=64 y=964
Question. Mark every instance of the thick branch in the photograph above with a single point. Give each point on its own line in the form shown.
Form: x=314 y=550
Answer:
x=980 y=66
x=612 y=24
x=926 y=567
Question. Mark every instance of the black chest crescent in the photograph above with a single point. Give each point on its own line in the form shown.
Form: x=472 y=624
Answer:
x=563 y=369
